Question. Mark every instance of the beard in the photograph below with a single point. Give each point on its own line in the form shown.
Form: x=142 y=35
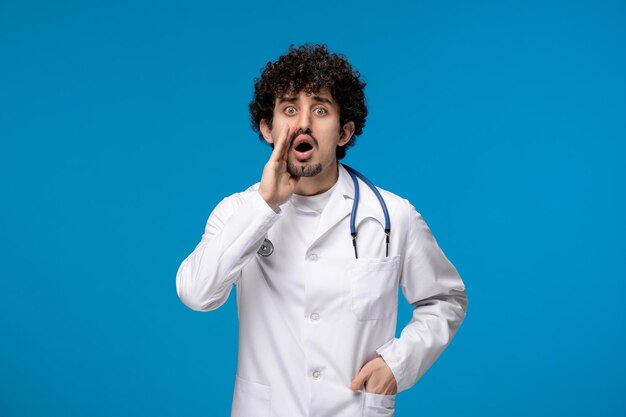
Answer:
x=303 y=170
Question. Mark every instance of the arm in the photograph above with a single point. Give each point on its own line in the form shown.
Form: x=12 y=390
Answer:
x=233 y=234
x=431 y=283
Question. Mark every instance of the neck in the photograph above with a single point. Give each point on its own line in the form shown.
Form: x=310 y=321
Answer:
x=319 y=183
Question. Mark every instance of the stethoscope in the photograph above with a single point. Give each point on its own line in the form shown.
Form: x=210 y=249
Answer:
x=267 y=248
x=355 y=205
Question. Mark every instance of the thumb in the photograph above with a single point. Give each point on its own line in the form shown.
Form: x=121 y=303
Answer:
x=359 y=380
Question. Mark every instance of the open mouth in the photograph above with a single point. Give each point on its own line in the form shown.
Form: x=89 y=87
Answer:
x=303 y=147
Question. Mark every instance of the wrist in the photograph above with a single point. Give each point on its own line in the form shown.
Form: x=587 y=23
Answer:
x=273 y=203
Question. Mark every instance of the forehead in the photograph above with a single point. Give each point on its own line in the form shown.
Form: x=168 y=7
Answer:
x=323 y=95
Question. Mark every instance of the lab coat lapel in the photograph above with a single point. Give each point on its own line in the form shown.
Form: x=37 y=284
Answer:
x=339 y=205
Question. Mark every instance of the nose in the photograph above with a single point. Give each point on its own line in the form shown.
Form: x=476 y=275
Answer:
x=304 y=122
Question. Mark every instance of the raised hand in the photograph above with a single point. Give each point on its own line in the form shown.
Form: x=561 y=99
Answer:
x=277 y=185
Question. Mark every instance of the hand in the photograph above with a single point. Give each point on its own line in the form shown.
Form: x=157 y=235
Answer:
x=376 y=377
x=277 y=185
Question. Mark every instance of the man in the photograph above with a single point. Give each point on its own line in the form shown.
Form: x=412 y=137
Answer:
x=316 y=322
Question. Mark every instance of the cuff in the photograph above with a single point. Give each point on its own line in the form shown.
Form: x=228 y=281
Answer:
x=395 y=364
x=258 y=196
x=261 y=205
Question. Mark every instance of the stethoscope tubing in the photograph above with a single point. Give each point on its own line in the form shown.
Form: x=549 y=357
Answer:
x=353 y=230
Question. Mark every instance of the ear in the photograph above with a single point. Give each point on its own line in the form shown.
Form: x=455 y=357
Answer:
x=266 y=131
x=346 y=133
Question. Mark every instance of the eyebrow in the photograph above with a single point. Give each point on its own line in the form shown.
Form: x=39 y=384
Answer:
x=293 y=99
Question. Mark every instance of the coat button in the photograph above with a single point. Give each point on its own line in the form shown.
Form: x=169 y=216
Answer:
x=316 y=374
x=315 y=316
x=313 y=257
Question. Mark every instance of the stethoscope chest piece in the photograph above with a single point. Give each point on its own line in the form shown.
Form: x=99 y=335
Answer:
x=266 y=249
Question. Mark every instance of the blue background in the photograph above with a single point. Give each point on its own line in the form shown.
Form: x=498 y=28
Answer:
x=123 y=123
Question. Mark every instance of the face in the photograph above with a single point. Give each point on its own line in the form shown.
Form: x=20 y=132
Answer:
x=315 y=118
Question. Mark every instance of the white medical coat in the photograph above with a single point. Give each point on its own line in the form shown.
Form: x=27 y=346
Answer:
x=311 y=315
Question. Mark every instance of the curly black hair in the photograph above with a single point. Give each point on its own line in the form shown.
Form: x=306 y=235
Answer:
x=310 y=68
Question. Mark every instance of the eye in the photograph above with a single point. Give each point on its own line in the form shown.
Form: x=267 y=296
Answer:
x=320 y=111
x=290 y=110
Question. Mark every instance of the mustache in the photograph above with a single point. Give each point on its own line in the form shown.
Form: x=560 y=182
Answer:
x=306 y=132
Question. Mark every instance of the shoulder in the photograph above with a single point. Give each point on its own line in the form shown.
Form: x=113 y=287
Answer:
x=398 y=206
x=236 y=200
x=243 y=195
x=407 y=223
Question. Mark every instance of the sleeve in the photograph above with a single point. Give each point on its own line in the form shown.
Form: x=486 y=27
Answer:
x=233 y=234
x=430 y=283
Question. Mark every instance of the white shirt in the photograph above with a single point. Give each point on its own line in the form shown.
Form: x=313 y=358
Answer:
x=310 y=314
x=308 y=211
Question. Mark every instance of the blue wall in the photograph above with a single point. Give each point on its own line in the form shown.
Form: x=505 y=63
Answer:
x=122 y=124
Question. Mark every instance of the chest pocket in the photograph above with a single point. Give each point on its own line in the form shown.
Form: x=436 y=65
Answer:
x=374 y=287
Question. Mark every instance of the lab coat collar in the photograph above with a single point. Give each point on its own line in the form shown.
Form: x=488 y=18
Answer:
x=340 y=202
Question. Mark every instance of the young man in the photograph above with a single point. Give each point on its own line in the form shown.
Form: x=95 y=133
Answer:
x=317 y=323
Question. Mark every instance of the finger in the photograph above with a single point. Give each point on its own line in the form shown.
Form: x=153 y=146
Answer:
x=288 y=139
x=359 y=380
x=279 y=148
